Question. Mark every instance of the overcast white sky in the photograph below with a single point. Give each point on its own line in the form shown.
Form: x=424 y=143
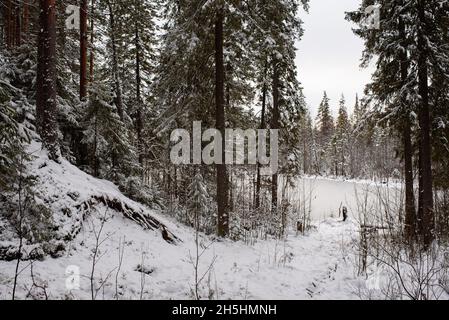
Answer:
x=329 y=55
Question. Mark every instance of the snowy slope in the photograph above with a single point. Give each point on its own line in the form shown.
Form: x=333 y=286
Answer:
x=72 y=194
x=316 y=266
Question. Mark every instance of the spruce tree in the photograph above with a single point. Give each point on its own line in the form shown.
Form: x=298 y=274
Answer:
x=198 y=205
x=342 y=135
x=324 y=133
x=411 y=49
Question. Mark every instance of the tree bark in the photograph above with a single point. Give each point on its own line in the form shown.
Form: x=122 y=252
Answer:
x=46 y=79
x=115 y=68
x=262 y=126
x=139 y=115
x=83 y=49
x=18 y=26
x=7 y=17
x=410 y=210
x=275 y=125
x=222 y=175
x=91 y=62
x=26 y=19
x=426 y=213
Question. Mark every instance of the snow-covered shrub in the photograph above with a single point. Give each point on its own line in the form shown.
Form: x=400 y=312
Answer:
x=9 y=146
x=31 y=220
x=199 y=213
x=442 y=215
x=110 y=152
x=12 y=133
x=135 y=189
x=235 y=227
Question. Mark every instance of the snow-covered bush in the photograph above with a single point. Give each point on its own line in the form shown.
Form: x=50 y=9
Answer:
x=134 y=188
x=110 y=152
x=15 y=125
x=199 y=213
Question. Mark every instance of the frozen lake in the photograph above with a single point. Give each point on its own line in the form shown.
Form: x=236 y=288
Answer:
x=324 y=197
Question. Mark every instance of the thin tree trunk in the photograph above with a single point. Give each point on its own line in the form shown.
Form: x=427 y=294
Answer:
x=410 y=210
x=92 y=56
x=8 y=23
x=12 y=25
x=115 y=68
x=83 y=49
x=222 y=175
x=18 y=26
x=20 y=234
x=139 y=116
x=46 y=78
x=96 y=160
x=275 y=125
x=426 y=214
x=26 y=19
x=305 y=164
x=262 y=126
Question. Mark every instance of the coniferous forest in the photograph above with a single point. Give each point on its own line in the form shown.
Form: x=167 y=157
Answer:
x=98 y=98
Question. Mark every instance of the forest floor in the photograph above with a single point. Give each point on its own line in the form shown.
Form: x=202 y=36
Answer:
x=319 y=265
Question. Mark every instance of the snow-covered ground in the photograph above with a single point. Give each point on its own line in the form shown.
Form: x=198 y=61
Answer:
x=319 y=265
x=304 y=267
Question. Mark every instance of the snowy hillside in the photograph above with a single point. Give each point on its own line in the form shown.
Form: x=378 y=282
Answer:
x=209 y=149
x=88 y=209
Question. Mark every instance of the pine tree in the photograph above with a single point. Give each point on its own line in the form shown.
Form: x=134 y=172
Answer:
x=190 y=78
x=46 y=79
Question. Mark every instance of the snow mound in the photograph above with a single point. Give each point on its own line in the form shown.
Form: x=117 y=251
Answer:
x=72 y=195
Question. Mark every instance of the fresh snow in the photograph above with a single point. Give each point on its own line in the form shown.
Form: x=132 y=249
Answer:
x=316 y=266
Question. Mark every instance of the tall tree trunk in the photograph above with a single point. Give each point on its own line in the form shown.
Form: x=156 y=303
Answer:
x=95 y=159
x=26 y=19
x=115 y=68
x=275 y=125
x=410 y=210
x=18 y=26
x=139 y=115
x=262 y=126
x=10 y=23
x=305 y=156
x=91 y=62
x=222 y=175
x=46 y=78
x=426 y=213
x=83 y=49
x=7 y=22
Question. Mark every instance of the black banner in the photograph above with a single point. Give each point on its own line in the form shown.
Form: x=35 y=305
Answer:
x=226 y=310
